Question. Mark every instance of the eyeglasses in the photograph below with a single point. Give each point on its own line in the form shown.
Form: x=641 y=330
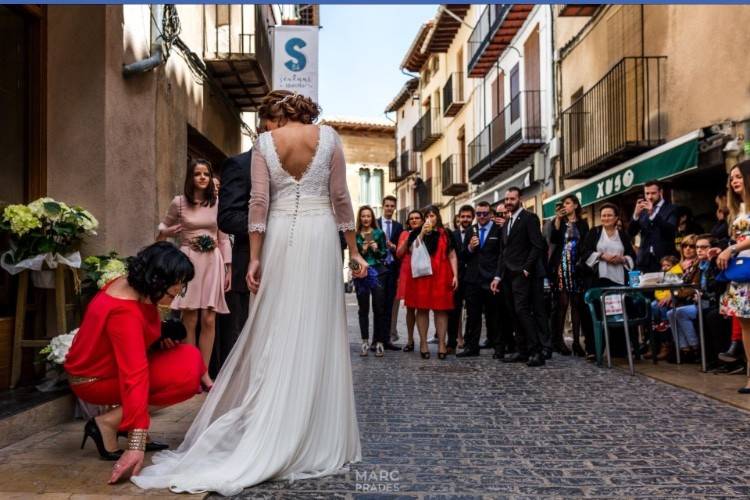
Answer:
x=181 y=293
x=482 y=214
x=687 y=245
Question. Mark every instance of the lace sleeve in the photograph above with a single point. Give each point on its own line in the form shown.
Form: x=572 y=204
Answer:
x=259 y=192
x=340 y=199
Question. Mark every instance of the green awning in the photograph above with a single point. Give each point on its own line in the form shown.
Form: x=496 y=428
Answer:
x=667 y=160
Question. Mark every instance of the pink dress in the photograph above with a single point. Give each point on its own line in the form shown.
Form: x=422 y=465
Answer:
x=206 y=290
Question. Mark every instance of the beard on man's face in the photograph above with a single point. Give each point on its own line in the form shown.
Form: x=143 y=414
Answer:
x=511 y=207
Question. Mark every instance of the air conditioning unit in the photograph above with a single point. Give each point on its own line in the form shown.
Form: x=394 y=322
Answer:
x=539 y=170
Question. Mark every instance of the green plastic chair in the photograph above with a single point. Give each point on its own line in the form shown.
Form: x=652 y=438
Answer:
x=638 y=303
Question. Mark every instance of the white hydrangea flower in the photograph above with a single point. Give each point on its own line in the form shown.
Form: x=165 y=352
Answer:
x=59 y=347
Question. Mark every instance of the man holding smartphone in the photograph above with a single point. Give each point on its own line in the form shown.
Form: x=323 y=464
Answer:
x=656 y=221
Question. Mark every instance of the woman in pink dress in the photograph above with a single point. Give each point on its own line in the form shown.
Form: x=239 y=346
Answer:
x=192 y=217
x=414 y=221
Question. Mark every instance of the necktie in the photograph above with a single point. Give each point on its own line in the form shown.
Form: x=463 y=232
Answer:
x=481 y=236
x=388 y=255
x=510 y=224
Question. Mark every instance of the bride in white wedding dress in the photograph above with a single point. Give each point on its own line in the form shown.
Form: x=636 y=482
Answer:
x=282 y=406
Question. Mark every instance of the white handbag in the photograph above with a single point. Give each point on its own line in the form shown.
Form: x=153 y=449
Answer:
x=421 y=265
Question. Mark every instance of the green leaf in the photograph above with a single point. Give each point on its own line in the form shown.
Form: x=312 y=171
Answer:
x=52 y=207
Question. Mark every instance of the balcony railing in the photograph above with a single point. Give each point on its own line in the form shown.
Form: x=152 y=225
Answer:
x=406 y=165
x=393 y=170
x=618 y=118
x=427 y=130
x=492 y=34
x=453 y=94
x=454 y=175
x=423 y=193
x=514 y=134
x=237 y=51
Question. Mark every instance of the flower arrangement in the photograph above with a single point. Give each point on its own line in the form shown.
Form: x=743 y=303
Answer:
x=58 y=348
x=44 y=226
x=203 y=243
x=98 y=270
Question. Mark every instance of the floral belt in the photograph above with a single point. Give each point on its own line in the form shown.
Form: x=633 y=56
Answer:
x=203 y=243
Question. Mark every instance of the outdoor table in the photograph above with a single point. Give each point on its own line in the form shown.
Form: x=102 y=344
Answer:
x=627 y=290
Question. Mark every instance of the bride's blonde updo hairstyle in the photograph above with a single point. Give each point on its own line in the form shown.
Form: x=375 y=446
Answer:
x=282 y=106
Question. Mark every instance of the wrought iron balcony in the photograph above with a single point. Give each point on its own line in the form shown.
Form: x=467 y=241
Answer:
x=423 y=193
x=237 y=51
x=454 y=175
x=407 y=164
x=492 y=34
x=393 y=170
x=618 y=118
x=453 y=94
x=427 y=130
x=514 y=134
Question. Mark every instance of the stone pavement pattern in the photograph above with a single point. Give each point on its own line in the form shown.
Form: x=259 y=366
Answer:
x=484 y=429
x=466 y=429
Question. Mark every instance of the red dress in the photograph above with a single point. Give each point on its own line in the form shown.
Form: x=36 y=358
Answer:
x=404 y=277
x=112 y=345
x=434 y=292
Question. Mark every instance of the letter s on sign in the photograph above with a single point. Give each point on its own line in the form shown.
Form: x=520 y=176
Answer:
x=299 y=61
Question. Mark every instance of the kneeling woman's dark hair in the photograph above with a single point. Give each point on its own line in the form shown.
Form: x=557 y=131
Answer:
x=158 y=267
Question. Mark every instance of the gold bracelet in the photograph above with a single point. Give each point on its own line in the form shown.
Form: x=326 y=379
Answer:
x=137 y=439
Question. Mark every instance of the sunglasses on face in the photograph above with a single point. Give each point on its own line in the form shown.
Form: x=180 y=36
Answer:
x=482 y=214
x=687 y=245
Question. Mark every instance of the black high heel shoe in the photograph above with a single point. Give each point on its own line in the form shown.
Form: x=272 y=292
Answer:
x=425 y=355
x=91 y=430
x=150 y=445
x=441 y=355
x=408 y=347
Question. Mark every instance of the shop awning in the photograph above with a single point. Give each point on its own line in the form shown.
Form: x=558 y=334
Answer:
x=663 y=162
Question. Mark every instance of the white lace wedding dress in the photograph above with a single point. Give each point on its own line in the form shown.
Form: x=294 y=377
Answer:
x=283 y=405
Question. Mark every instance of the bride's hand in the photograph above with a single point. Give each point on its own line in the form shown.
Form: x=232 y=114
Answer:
x=363 y=265
x=253 y=276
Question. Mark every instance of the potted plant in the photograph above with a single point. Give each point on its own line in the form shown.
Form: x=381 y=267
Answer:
x=98 y=270
x=43 y=234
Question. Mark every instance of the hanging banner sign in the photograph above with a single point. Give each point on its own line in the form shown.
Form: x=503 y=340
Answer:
x=295 y=59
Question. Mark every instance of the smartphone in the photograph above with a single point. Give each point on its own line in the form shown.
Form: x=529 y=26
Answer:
x=368 y=238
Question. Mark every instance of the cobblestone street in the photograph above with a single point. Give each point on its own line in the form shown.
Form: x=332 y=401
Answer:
x=484 y=429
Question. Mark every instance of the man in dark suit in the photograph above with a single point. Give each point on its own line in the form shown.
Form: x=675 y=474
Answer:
x=461 y=237
x=234 y=195
x=392 y=229
x=481 y=257
x=656 y=221
x=518 y=268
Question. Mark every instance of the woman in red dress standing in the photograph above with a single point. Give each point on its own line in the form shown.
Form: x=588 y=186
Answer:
x=434 y=292
x=117 y=359
x=403 y=252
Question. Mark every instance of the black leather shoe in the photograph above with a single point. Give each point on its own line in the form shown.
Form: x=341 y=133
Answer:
x=498 y=354
x=536 y=360
x=547 y=353
x=486 y=345
x=563 y=350
x=91 y=430
x=390 y=347
x=468 y=353
x=516 y=358
x=744 y=390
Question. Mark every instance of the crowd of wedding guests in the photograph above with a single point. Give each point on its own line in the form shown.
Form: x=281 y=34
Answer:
x=526 y=282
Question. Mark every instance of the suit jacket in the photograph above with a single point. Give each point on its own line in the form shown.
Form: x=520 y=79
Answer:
x=461 y=246
x=523 y=248
x=396 y=230
x=657 y=236
x=589 y=246
x=482 y=262
x=234 y=195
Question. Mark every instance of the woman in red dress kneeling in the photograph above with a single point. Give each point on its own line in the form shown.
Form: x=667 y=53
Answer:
x=434 y=292
x=114 y=359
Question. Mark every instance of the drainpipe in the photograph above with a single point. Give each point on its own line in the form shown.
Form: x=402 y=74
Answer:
x=157 y=49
